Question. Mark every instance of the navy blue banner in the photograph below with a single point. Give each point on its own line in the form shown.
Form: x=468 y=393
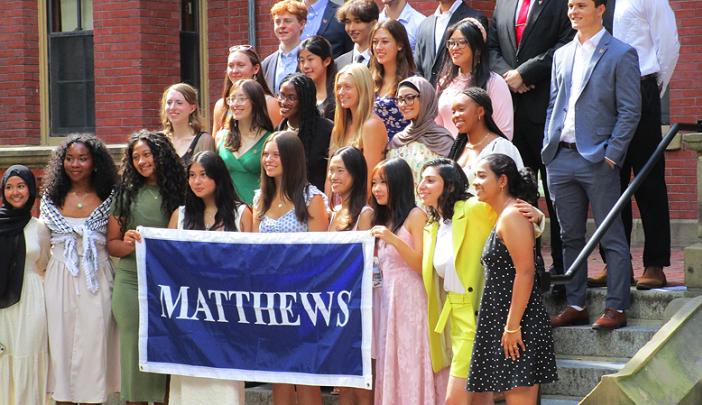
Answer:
x=287 y=308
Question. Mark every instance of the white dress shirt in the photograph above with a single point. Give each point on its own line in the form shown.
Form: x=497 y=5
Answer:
x=286 y=64
x=444 y=259
x=442 y=22
x=410 y=19
x=519 y=7
x=366 y=54
x=581 y=60
x=649 y=26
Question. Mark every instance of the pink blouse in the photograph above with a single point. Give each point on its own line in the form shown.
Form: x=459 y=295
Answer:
x=497 y=89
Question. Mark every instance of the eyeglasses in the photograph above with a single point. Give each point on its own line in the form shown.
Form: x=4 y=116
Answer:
x=407 y=100
x=237 y=48
x=456 y=43
x=237 y=100
x=289 y=99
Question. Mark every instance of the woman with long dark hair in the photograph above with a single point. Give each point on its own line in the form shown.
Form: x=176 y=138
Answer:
x=347 y=176
x=402 y=342
x=298 y=106
x=466 y=65
x=391 y=63
x=240 y=142
x=513 y=351
x=78 y=186
x=315 y=60
x=152 y=186
x=287 y=202
x=211 y=204
x=242 y=63
x=478 y=134
x=182 y=123
x=24 y=252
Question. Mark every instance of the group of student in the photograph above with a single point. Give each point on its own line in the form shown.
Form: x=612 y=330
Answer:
x=405 y=132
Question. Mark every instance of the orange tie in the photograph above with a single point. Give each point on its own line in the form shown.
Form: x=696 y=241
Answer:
x=521 y=20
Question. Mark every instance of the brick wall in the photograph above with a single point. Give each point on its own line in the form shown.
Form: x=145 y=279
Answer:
x=19 y=74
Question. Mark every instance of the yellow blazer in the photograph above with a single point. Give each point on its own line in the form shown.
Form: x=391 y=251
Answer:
x=472 y=223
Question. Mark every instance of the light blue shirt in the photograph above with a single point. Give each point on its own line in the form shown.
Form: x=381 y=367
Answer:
x=410 y=19
x=315 y=13
x=286 y=64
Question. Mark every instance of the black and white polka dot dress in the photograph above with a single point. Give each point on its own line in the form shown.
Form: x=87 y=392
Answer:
x=489 y=370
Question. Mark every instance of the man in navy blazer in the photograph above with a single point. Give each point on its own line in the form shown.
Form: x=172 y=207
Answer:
x=321 y=20
x=594 y=109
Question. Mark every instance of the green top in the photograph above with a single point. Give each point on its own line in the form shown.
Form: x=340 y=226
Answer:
x=145 y=211
x=245 y=170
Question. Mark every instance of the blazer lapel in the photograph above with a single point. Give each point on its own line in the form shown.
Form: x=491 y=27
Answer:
x=534 y=14
x=458 y=227
x=432 y=48
x=568 y=63
x=326 y=19
x=512 y=9
x=596 y=56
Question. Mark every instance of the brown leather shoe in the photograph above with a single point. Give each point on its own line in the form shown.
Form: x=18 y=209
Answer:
x=653 y=277
x=610 y=319
x=600 y=280
x=570 y=316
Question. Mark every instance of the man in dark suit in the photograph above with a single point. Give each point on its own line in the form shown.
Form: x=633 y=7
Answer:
x=526 y=66
x=358 y=17
x=594 y=109
x=321 y=20
x=430 y=49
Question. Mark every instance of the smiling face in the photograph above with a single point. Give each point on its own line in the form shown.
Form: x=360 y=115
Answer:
x=272 y=164
x=200 y=183
x=340 y=179
x=585 y=16
x=466 y=113
x=177 y=108
x=408 y=102
x=379 y=188
x=385 y=48
x=460 y=51
x=143 y=161
x=358 y=30
x=16 y=192
x=78 y=162
x=239 y=66
x=346 y=91
x=288 y=101
x=430 y=187
x=287 y=28
x=313 y=66
x=486 y=184
x=239 y=104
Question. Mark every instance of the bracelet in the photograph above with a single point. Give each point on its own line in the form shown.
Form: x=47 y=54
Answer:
x=514 y=330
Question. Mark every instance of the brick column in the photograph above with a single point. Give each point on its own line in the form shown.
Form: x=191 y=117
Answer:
x=19 y=74
x=137 y=56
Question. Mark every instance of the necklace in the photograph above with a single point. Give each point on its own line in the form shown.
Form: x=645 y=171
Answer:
x=155 y=196
x=292 y=128
x=480 y=143
x=80 y=205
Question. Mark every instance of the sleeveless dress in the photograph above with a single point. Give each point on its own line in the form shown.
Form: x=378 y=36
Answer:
x=386 y=109
x=403 y=366
x=489 y=370
x=24 y=349
x=188 y=390
x=288 y=222
x=82 y=331
x=245 y=171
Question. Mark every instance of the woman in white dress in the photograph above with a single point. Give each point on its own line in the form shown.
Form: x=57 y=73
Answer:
x=82 y=332
x=24 y=251
x=211 y=204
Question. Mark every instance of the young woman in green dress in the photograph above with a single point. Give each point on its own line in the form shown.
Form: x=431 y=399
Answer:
x=240 y=142
x=152 y=186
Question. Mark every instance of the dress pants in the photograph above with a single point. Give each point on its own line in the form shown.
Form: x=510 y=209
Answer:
x=575 y=181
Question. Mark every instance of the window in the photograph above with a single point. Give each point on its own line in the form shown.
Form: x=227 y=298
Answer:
x=70 y=55
x=190 y=43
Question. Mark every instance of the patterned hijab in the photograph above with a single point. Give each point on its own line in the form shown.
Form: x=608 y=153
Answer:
x=12 y=243
x=423 y=128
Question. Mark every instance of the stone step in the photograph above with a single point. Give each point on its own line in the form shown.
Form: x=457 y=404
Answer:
x=622 y=342
x=560 y=400
x=578 y=375
x=644 y=304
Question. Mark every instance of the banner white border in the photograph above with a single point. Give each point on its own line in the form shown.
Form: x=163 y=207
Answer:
x=363 y=237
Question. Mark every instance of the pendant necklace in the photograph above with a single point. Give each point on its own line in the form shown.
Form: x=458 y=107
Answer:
x=79 y=205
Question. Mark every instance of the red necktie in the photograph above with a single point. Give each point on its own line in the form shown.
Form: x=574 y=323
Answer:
x=521 y=20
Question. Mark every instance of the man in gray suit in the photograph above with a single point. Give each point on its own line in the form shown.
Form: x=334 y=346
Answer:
x=593 y=111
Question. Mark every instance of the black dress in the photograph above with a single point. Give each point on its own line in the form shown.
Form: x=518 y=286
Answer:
x=489 y=370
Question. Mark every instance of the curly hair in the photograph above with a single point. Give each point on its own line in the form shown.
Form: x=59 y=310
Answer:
x=189 y=93
x=405 y=60
x=455 y=188
x=226 y=198
x=169 y=170
x=520 y=183
x=103 y=177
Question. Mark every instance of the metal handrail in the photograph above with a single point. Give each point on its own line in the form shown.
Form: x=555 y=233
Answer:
x=623 y=200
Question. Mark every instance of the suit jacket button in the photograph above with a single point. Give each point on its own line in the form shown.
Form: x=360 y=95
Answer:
x=470 y=289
